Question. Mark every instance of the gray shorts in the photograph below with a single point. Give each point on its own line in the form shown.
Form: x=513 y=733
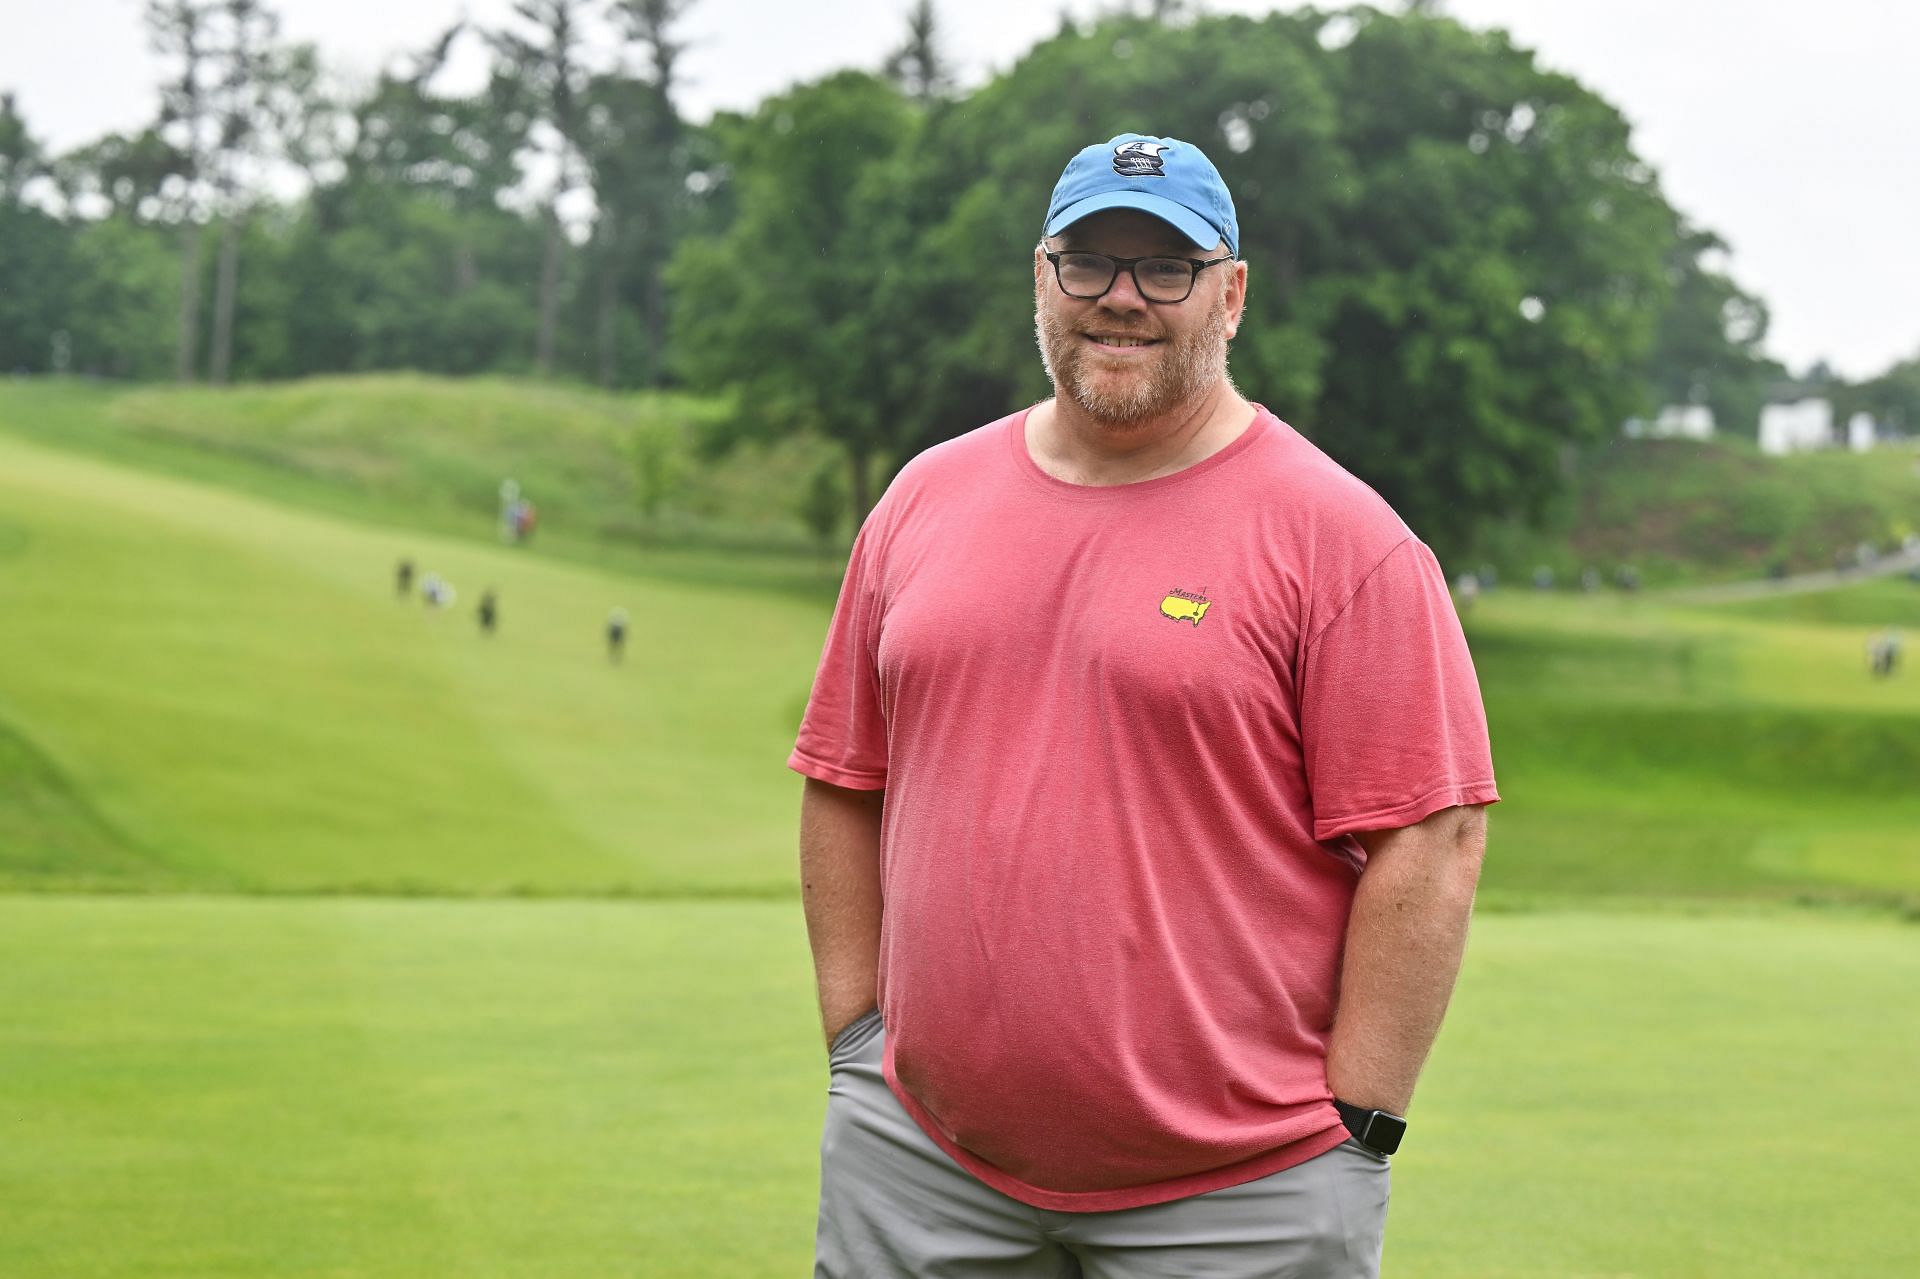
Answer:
x=894 y=1205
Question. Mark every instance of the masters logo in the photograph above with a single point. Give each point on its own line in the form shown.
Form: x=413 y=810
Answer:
x=1185 y=606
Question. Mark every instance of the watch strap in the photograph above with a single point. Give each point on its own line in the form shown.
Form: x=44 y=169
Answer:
x=1374 y=1129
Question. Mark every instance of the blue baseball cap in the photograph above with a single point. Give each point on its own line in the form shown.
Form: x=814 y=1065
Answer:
x=1171 y=179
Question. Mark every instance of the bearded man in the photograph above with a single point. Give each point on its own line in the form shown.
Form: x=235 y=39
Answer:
x=1145 y=774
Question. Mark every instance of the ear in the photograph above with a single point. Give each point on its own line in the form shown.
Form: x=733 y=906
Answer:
x=1236 y=298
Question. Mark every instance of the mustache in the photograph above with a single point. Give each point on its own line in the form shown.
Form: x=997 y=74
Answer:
x=1116 y=331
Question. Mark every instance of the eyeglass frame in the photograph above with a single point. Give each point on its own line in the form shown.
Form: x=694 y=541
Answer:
x=1128 y=264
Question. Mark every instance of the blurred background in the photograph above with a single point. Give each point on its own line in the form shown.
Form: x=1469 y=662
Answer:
x=430 y=437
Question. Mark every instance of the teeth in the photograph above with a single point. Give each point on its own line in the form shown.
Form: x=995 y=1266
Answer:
x=1123 y=341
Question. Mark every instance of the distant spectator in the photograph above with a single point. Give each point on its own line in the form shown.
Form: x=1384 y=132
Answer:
x=1883 y=653
x=489 y=612
x=436 y=591
x=1542 y=578
x=1467 y=587
x=1777 y=571
x=616 y=634
x=1589 y=579
x=1629 y=578
x=526 y=518
x=509 y=504
x=403 y=579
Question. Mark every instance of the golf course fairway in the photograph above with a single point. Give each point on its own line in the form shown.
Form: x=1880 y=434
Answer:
x=340 y=938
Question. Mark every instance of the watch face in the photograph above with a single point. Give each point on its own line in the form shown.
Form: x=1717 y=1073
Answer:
x=1384 y=1132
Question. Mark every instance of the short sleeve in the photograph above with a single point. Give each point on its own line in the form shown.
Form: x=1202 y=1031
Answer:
x=1392 y=726
x=843 y=735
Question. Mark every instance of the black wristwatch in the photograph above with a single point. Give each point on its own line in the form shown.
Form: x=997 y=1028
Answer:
x=1375 y=1129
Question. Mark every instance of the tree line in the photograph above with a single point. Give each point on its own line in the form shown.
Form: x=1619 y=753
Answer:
x=1459 y=266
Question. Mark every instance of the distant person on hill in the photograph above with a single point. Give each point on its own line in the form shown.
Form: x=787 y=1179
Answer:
x=1145 y=765
x=403 y=579
x=1466 y=589
x=489 y=611
x=525 y=520
x=436 y=591
x=616 y=634
x=509 y=504
x=1883 y=653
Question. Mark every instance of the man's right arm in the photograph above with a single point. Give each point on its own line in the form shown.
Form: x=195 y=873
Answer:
x=840 y=892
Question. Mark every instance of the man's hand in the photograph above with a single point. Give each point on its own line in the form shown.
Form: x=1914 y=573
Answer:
x=1405 y=938
x=840 y=892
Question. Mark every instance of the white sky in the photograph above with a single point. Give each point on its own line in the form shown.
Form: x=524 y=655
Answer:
x=1792 y=129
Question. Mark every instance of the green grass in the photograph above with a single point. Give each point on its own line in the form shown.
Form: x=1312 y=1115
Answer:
x=233 y=688
x=240 y=704
x=225 y=1088
x=429 y=454
x=594 y=1089
x=1655 y=751
x=1684 y=510
x=207 y=686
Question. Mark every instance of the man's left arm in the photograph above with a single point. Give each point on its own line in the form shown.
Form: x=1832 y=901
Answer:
x=1405 y=937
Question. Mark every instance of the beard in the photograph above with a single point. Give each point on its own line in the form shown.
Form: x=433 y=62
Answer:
x=1186 y=367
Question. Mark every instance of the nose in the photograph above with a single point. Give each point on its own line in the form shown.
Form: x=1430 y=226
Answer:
x=1124 y=295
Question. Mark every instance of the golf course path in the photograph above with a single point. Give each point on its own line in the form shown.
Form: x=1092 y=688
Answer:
x=1798 y=584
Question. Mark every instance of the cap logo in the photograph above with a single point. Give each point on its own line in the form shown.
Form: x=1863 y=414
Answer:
x=1140 y=160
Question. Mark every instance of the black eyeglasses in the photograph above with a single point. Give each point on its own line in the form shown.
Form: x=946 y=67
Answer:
x=1089 y=275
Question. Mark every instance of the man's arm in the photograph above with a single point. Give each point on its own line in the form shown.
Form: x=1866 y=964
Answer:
x=1405 y=938
x=840 y=891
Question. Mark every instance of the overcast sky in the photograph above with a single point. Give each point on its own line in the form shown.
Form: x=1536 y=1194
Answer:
x=1791 y=129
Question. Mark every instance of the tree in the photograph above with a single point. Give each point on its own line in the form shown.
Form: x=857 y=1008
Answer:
x=21 y=159
x=920 y=66
x=1499 y=279
x=788 y=304
x=1894 y=396
x=1707 y=347
x=245 y=70
x=548 y=65
x=635 y=144
x=978 y=181
x=1457 y=261
x=124 y=176
x=180 y=29
x=822 y=504
x=36 y=270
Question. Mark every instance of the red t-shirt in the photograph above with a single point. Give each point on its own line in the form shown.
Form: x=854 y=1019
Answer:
x=1125 y=733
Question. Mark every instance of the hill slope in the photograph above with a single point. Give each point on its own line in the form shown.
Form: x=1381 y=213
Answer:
x=234 y=685
x=212 y=685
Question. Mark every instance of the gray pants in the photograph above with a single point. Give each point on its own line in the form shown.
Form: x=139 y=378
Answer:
x=893 y=1205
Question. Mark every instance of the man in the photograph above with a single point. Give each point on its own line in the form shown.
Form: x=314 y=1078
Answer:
x=1143 y=816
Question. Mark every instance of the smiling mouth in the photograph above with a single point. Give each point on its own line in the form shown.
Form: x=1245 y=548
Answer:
x=1117 y=341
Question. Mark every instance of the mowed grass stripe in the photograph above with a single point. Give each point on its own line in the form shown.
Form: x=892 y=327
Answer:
x=398 y=1088
x=235 y=685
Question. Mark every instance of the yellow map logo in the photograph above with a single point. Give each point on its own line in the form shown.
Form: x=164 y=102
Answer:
x=1185 y=606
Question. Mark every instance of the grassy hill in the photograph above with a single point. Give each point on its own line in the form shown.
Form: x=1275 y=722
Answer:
x=1686 y=510
x=240 y=703
x=206 y=690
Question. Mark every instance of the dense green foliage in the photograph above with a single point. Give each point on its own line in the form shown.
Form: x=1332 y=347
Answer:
x=1459 y=265
x=1680 y=510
